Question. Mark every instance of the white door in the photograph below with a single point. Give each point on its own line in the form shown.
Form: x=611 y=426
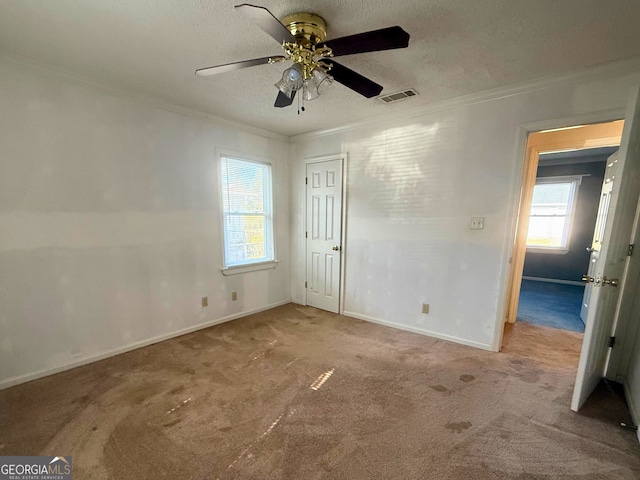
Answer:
x=624 y=175
x=598 y=234
x=323 y=234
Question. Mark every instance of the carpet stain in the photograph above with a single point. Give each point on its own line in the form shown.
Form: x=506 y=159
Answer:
x=138 y=395
x=458 y=427
x=172 y=422
x=178 y=389
x=532 y=376
x=466 y=378
x=218 y=377
x=439 y=388
x=82 y=400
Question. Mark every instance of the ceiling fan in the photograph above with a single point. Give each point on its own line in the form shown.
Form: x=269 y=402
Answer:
x=302 y=36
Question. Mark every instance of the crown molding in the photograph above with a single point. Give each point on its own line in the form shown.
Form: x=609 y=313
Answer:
x=153 y=102
x=599 y=72
x=618 y=67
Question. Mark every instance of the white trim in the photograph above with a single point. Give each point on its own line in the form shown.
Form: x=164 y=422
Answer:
x=600 y=72
x=601 y=116
x=572 y=161
x=553 y=280
x=562 y=178
x=635 y=415
x=10 y=382
x=253 y=267
x=428 y=333
x=520 y=151
x=324 y=158
x=343 y=239
x=627 y=66
x=548 y=250
x=259 y=160
x=142 y=98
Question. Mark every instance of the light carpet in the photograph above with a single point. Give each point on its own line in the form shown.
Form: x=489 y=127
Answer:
x=298 y=393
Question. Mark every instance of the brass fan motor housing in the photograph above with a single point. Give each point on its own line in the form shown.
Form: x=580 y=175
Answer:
x=308 y=28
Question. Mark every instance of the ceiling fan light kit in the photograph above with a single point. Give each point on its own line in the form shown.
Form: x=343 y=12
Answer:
x=292 y=80
x=302 y=37
x=318 y=84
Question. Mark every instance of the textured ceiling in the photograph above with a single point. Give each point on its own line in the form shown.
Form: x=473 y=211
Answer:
x=457 y=47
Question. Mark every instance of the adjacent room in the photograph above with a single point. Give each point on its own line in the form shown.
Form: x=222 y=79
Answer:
x=564 y=210
x=319 y=240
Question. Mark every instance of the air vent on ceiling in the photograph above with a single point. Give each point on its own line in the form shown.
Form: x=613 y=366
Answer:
x=394 y=97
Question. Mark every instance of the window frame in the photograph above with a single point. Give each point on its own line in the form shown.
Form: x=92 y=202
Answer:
x=576 y=180
x=269 y=204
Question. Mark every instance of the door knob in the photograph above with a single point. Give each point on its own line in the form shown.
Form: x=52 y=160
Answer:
x=336 y=248
x=591 y=249
x=610 y=281
x=587 y=279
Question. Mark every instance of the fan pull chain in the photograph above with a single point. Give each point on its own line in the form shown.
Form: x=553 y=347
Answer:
x=301 y=102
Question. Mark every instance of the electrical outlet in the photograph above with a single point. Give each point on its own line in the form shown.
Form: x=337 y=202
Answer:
x=234 y=296
x=205 y=301
x=425 y=308
x=477 y=223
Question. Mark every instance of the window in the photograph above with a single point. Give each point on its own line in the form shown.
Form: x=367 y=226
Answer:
x=247 y=211
x=552 y=210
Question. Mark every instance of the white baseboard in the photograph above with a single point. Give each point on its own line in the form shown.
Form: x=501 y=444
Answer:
x=10 y=382
x=635 y=417
x=428 y=333
x=553 y=280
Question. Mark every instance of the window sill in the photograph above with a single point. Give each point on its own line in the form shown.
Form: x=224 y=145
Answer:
x=552 y=251
x=254 y=267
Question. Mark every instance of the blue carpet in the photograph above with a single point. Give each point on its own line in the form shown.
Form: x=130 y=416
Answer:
x=552 y=305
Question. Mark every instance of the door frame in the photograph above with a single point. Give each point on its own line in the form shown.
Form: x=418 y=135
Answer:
x=522 y=191
x=618 y=361
x=343 y=221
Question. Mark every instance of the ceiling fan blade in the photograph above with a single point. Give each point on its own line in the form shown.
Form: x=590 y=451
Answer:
x=267 y=22
x=373 y=41
x=228 y=67
x=353 y=80
x=283 y=101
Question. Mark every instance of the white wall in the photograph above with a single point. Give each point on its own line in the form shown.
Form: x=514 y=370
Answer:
x=413 y=184
x=110 y=229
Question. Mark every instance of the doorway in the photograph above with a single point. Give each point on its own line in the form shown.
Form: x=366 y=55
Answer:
x=548 y=153
x=562 y=221
x=563 y=140
x=613 y=284
x=323 y=232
